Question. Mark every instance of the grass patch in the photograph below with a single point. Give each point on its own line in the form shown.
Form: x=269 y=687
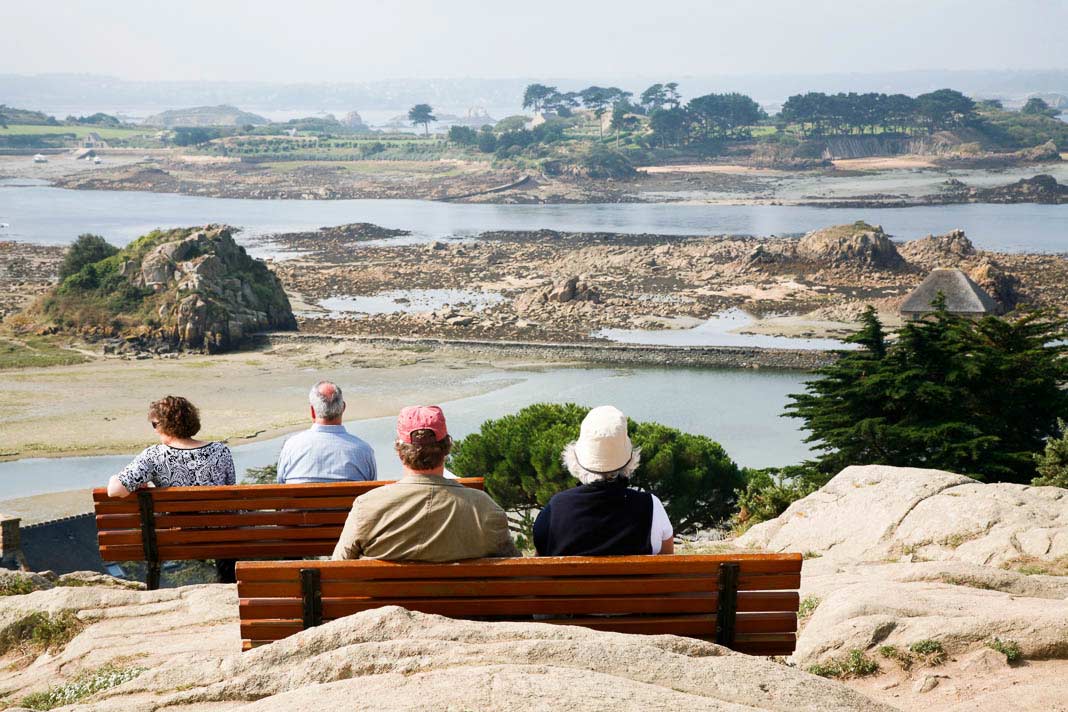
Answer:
x=40 y=631
x=811 y=555
x=856 y=664
x=930 y=652
x=81 y=687
x=1033 y=566
x=36 y=352
x=78 y=131
x=808 y=606
x=1009 y=648
x=16 y=586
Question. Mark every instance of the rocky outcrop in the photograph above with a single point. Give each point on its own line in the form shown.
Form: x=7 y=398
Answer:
x=1042 y=189
x=185 y=645
x=999 y=284
x=859 y=245
x=933 y=251
x=876 y=512
x=186 y=289
x=562 y=291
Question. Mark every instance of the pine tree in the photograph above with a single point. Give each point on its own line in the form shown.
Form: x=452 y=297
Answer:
x=974 y=397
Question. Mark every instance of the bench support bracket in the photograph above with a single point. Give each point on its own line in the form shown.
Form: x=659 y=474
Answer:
x=727 y=609
x=311 y=592
x=148 y=539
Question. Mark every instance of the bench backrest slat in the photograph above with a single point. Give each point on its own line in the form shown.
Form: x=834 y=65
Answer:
x=643 y=594
x=231 y=522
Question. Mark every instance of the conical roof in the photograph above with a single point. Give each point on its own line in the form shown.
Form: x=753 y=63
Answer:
x=963 y=296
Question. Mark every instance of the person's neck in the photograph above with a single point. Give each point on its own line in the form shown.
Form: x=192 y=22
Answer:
x=180 y=442
x=436 y=472
x=321 y=421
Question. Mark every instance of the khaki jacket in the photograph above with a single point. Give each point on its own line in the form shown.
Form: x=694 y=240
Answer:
x=425 y=518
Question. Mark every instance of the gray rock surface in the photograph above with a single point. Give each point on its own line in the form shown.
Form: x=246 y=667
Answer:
x=393 y=659
x=877 y=513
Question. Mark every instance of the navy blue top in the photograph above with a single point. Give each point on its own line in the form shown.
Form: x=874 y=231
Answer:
x=599 y=519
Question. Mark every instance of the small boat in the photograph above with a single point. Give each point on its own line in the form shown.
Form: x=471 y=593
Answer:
x=98 y=160
x=4 y=226
x=40 y=159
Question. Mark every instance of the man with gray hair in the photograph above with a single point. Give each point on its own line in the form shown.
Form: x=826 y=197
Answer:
x=326 y=452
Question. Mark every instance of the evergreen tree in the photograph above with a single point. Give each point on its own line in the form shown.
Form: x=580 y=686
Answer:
x=86 y=250
x=974 y=397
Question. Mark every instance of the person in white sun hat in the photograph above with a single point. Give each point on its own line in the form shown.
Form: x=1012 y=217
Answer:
x=603 y=516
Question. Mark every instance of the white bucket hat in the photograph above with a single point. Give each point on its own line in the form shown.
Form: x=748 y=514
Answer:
x=603 y=445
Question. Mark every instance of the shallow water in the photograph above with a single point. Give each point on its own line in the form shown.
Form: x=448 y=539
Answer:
x=56 y=216
x=720 y=330
x=409 y=301
x=738 y=408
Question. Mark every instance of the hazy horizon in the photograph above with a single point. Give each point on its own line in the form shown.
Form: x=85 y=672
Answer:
x=324 y=41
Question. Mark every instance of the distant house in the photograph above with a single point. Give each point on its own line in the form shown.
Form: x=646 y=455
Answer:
x=94 y=140
x=963 y=296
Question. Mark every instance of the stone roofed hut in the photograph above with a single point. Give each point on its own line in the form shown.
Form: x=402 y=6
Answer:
x=963 y=296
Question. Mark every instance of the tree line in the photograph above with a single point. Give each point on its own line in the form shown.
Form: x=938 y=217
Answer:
x=819 y=114
x=722 y=116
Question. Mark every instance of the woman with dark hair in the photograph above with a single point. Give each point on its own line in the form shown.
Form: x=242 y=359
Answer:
x=179 y=460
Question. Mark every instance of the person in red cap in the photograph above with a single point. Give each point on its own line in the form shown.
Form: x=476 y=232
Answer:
x=424 y=516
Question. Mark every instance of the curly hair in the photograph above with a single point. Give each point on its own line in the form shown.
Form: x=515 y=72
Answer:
x=424 y=456
x=175 y=416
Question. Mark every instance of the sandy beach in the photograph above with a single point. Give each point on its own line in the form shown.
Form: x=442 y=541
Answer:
x=98 y=408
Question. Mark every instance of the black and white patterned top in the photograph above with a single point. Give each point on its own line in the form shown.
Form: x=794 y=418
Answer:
x=166 y=466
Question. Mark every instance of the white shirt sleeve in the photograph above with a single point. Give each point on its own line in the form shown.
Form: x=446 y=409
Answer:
x=661 y=528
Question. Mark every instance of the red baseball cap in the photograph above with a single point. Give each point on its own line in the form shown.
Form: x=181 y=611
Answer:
x=421 y=417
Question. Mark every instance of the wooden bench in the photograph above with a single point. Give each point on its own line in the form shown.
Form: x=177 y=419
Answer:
x=747 y=602
x=232 y=522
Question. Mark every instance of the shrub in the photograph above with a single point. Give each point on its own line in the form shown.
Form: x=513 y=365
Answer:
x=1009 y=648
x=1052 y=463
x=86 y=250
x=519 y=455
x=930 y=651
x=602 y=162
x=770 y=491
x=267 y=475
x=808 y=606
x=81 y=687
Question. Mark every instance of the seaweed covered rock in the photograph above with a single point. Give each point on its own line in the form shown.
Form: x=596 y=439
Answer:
x=183 y=289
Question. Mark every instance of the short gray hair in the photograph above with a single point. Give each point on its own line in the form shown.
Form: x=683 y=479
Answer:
x=586 y=477
x=327 y=407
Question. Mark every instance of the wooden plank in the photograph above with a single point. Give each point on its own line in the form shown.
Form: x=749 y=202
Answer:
x=166 y=537
x=128 y=522
x=245 y=504
x=251 y=550
x=320 y=489
x=468 y=607
x=748 y=601
x=423 y=588
x=529 y=566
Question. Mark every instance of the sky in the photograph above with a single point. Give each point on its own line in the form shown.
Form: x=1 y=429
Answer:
x=361 y=40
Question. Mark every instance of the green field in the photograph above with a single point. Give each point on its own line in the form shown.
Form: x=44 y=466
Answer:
x=78 y=131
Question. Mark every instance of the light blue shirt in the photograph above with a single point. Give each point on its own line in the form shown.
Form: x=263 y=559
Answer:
x=326 y=453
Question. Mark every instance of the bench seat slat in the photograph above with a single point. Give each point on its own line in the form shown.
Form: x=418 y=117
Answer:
x=549 y=605
x=523 y=586
x=236 y=505
x=559 y=566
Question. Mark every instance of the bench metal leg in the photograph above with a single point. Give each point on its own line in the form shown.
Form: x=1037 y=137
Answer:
x=727 y=609
x=152 y=576
x=311 y=593
x=148 y=538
